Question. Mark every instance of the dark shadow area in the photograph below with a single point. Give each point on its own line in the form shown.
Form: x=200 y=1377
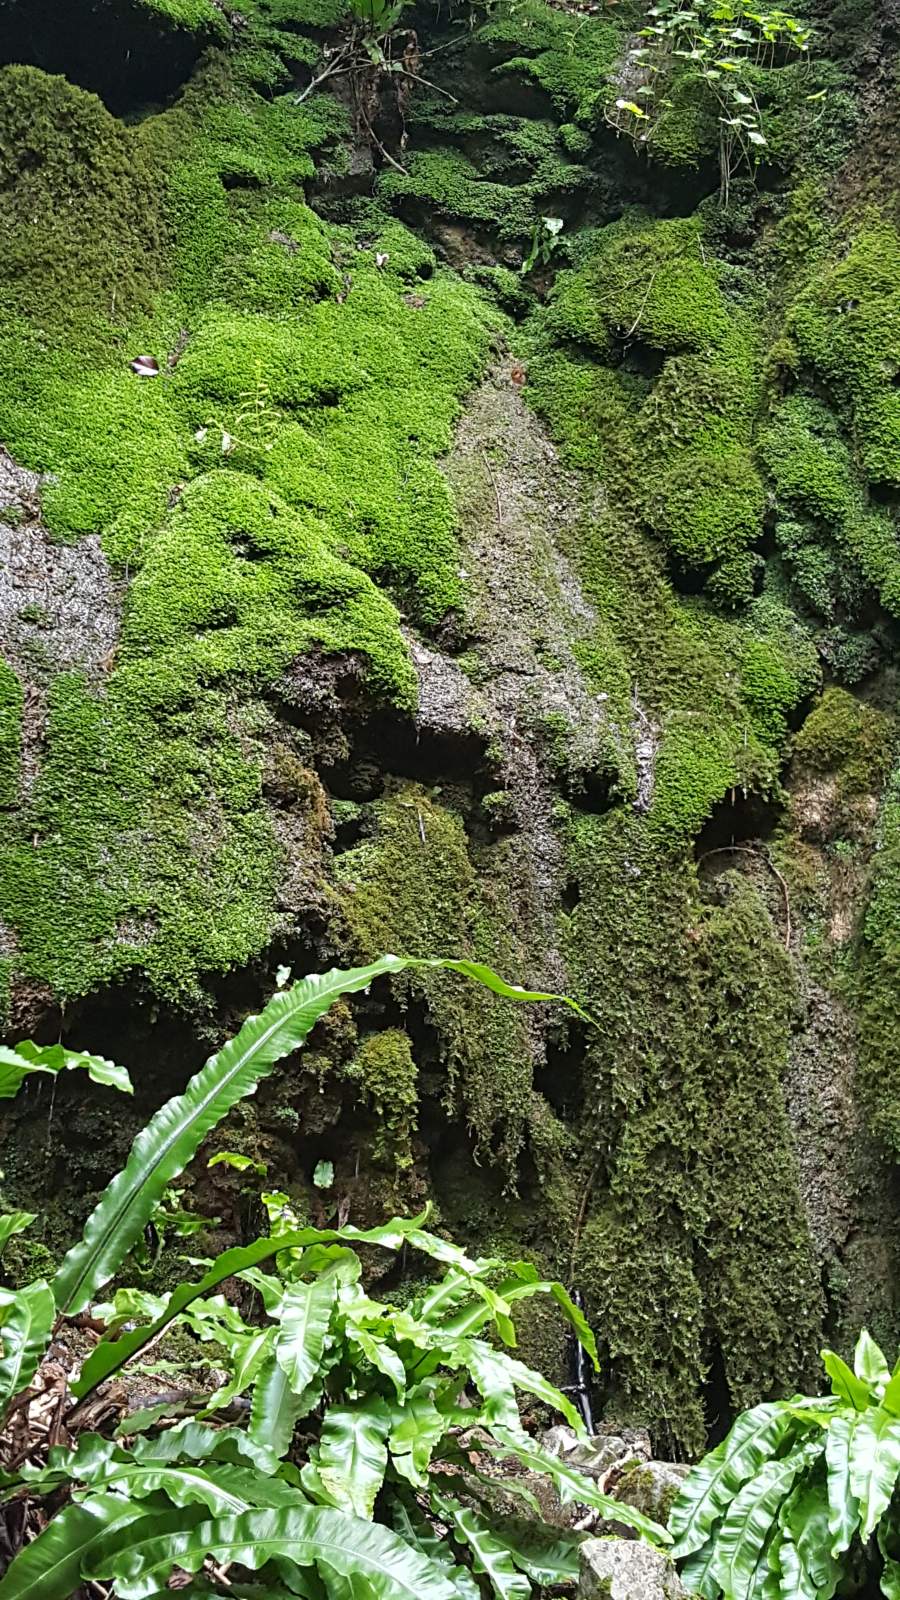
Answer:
x=716 y=1399
x=738 y=819
x=123 y=53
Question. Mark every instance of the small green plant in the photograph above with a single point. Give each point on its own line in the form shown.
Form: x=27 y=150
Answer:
x=254 y=425
x=544 y=242
x=376 y=17
x=720 y=45
x=360 y=1433
x=801 y=1494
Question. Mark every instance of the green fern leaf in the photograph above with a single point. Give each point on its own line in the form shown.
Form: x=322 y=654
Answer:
x=309 y=1536
x=305 y=1318
x=808 y=1569
x=277 y=1409
x=741 y=1558
x=26 y=1322
x=172 y=1137
x=50 y=1568
x=843 y=1508
x=110 y=1354
x=346 y=1468
x=874 y=1465
x=573 y=1485
x=490 y=1555
x=713 y=1484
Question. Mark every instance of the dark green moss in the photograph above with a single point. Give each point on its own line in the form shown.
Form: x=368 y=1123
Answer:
x=388 y=1079
x=568 y=56
x=844 y=736
x=78 y=189
x=816 y=481
x=847 y=326
x=10 y=734
x=693 y=1170
x=428 y=897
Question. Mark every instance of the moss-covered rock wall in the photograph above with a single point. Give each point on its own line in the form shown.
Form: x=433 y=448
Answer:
x=363 y=591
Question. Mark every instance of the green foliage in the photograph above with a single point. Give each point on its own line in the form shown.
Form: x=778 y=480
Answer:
x=567 y=55
x=693 y=996
x=653 y=283
x=844 y=736
x=378 y=1388
x=712 y=57
x=837 y=543
x=88 y=195
x=345 y=396
x=790 y=1499
x=170 y=1140
x=18 y=1064
x=879 y=975
x=401 y=894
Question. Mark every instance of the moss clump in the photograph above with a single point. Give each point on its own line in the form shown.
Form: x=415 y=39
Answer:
x=448 y=180
x=78 y=189
x=11 y=699
x=691 y=430
x=569 y=57
x=847 y=326
x=147 y=827
x=195 y=16
x=694 y=1174
x=647 y=276
x=879 y=980
x=430 y=898
x=388 y=1078
x=827 y=517
x=710 y=508
x=240 y=561
x=845 y=736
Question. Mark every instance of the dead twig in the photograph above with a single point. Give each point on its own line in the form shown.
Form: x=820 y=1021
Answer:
x=579 y=1220
x=335 y=69
x=378 y=144
x=493 y=478
x=637 y=319
x=402 y=72
x=761 y=855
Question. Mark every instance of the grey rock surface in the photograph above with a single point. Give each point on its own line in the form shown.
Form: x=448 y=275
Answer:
x=626 y=1569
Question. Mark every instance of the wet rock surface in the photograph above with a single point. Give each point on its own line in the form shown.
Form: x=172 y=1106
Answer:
x=60 y=604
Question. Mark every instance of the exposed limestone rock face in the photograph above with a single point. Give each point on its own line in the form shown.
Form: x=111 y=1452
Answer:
x=409 y=597
x=623 y=1569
